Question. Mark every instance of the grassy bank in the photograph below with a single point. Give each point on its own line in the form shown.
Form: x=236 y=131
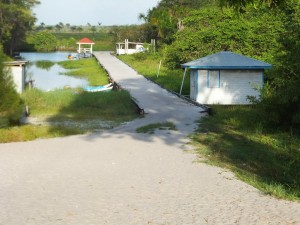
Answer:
x=236 y=138
x=68 y=112
x=148 y=65
x=86 y=68
x=67 y=104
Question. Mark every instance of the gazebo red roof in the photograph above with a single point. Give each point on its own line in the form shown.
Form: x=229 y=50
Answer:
x=85 y=41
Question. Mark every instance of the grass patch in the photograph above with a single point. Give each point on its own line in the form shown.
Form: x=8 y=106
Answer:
x=86 y=68
x=150 y=128
x=30 y=132
x=147 y=64
x=70 y=113
x=67 y=104
x=236 y=139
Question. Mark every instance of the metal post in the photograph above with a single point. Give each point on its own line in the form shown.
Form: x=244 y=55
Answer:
x=185 y=69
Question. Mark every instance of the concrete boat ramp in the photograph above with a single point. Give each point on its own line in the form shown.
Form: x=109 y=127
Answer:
x=120 y=177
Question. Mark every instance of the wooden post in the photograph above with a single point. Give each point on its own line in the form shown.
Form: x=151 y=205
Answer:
x=158 y=69
x=185 y=69
x=126 y=46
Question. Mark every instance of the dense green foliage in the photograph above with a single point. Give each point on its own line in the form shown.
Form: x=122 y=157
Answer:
x=211 y=30
x=46 y=40
x=281 y=97
x=164 y=20
x=104 y=40
x=16 y=19
x=267 y=159
x=10 y=102
x=43 y=41
x=241 y=5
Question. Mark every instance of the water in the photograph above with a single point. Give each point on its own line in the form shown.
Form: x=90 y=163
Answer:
x=47 y=74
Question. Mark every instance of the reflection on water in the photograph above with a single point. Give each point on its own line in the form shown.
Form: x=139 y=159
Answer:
x=46 y=73
x=46 y=65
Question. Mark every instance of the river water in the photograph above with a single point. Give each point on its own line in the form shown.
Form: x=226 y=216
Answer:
x=46 y=73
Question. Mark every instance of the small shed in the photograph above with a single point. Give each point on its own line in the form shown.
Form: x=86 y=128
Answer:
x=18 y=73
x=85 y=46
x=225 y=78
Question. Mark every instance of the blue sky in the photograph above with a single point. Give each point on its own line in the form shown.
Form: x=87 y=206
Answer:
x=81 y=12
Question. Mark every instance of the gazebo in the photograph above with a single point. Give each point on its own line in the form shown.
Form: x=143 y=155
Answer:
x=83 y=46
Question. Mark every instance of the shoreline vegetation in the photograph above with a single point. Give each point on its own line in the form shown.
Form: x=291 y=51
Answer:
x=64 y=112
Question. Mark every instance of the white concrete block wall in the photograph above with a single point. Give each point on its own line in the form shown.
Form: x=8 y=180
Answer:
x=18 y=75
x=235 y=86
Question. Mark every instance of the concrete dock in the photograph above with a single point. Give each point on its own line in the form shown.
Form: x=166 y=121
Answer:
x=158 y=104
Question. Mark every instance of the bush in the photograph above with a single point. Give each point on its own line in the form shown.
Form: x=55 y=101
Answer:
x=10 y=104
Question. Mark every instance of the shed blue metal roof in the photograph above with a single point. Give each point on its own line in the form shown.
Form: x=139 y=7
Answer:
x=226 y=60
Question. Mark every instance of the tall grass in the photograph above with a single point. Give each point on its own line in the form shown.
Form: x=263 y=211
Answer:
x=147 y=64
x=67 y=104
x=267 y=158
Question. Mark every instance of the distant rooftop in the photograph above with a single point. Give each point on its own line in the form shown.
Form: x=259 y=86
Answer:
x=15 y=63
x=85 y=41
x=226 y=60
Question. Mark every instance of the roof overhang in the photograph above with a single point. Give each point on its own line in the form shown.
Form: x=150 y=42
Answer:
x=15 y=63
x=226 y=61
x=226 y=67
x=85 y=41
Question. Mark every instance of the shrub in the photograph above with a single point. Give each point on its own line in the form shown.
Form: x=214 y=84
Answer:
x=10 y=104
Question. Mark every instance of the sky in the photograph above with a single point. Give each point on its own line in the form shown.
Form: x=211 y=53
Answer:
x=81 y=12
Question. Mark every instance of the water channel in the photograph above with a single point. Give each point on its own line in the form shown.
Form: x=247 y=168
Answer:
x=46 y=73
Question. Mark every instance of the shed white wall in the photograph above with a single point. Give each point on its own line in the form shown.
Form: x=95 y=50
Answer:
x=18 y=75
x=235 y=86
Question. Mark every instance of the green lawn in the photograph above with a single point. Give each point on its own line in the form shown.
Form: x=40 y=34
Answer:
x=148 y=65
x=235 y=138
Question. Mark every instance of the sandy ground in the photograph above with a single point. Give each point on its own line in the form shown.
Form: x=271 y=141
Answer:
x=119 y=177
x=126 y=178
